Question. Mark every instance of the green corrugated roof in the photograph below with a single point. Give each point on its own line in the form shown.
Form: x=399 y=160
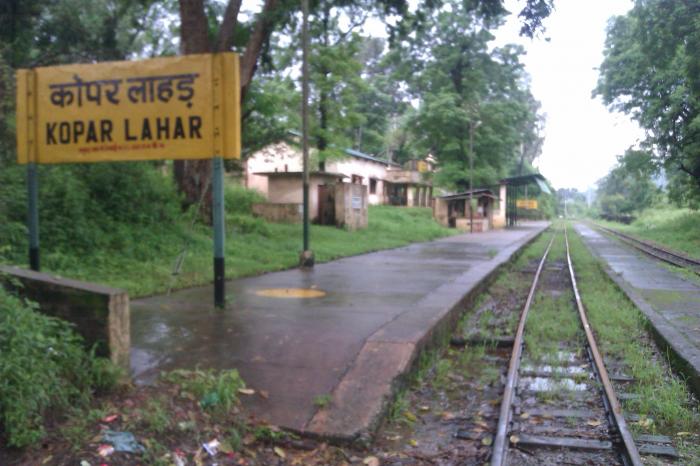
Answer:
x=521 y=180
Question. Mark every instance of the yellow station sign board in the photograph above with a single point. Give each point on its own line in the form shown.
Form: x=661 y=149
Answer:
x=529 y=204
x=185 y=107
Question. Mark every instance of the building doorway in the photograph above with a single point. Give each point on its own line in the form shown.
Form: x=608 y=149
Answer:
x=326 y=204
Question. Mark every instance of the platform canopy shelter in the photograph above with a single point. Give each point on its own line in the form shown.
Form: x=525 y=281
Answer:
x=517 y=186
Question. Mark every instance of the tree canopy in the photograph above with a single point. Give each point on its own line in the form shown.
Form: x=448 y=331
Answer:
x=628 y=188
x=463 y=85
x=651 y=71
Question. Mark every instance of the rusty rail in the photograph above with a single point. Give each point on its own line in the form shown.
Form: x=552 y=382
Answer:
x=667 y=255
x=630 y=449
x=500 y=444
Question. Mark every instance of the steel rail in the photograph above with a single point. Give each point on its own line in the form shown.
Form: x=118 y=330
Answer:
x=654 y=250
x=500 y=444
x=619 y=420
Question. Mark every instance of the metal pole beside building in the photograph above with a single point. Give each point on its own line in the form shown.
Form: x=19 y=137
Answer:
x=306 y=258
x=471 y=176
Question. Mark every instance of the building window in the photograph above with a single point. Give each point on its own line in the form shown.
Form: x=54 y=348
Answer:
x=356 y=179
x=372 y=186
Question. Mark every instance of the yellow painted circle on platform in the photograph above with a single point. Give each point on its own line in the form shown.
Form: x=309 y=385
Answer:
x=290 y=293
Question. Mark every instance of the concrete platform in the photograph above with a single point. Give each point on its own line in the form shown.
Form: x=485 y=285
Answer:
x=670 y=301
x=353 y=344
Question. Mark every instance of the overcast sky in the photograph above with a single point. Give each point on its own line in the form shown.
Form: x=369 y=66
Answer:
x=582 y=138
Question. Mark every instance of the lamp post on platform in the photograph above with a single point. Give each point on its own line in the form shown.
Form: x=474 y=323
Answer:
x=472 y=126
x=306 y=259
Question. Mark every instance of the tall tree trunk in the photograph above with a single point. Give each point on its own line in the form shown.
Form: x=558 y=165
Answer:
x=260 y=35
x=228 y=26
x=194 y=176
x=323 y=98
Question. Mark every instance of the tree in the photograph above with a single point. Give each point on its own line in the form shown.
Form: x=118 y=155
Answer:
x=196 y=37
x=43 y=33
x=462 y=84
x=651 y=71
x=192 y=176
x=335 y=75
x=628 y=188
x=571 y=203
x=339 y=84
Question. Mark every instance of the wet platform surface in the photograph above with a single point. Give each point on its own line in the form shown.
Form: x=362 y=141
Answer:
x=349 y=344
x=670 y=301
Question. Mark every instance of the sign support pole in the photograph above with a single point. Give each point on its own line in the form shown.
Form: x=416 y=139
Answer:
x=33 y=215
x=219 y=231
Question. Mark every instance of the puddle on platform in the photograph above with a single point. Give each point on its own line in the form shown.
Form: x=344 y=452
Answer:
x=298 y=293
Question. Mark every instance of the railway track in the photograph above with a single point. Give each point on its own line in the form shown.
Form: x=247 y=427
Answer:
x=561 y=407
x=667 y=255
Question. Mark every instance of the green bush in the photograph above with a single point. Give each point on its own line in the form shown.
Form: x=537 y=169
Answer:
x=85 y=207
x=43 y=369
x=247 y=224
x=240 y=200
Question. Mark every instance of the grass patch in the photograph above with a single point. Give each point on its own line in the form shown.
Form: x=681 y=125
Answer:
x=399 y=408
x=321 y=401
x=154 y=417
x=532 y=254
x=140 y=257
x=443 y=368
x=620 y=330
x=551 y=321
x=214 y=390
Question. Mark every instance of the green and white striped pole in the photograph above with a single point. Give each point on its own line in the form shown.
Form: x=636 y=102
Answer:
x=33 y=215
x=219 y=232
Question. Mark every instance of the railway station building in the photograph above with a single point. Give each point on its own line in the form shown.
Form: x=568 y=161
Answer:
x=453 y=210
x=276 y=172
x=511 y=204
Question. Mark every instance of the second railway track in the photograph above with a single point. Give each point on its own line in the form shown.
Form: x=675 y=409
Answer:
x=559 y=404
x=659 y=252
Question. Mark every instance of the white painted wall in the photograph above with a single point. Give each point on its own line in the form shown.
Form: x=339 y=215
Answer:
x=275 y=157
x=285 y=157
x=499 y=208
x=366 y=169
